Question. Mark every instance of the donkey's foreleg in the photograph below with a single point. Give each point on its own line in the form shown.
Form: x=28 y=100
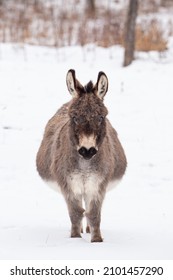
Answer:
x=76 y=211
x=93 y=215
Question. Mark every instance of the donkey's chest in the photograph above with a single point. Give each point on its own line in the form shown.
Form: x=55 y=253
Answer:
x=84 y=183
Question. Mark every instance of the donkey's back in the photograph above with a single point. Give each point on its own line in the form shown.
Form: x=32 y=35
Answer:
x=81 y=153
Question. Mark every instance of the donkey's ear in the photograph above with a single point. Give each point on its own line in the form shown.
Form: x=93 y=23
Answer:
x=72 y=83
x=101 y=85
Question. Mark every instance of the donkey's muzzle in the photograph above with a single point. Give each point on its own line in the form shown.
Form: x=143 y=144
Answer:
x=87 y=153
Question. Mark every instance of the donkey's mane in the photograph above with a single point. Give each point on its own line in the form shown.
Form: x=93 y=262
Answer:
x=89 y=87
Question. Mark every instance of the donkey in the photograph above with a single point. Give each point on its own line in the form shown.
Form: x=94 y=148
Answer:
x=81 y=153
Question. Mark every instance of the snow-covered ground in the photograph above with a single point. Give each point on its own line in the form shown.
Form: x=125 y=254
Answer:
x=137 y=216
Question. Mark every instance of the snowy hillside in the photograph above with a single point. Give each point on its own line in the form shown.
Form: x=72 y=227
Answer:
x=137 y=216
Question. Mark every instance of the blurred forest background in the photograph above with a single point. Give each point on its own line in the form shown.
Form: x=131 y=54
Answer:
x=59 y=23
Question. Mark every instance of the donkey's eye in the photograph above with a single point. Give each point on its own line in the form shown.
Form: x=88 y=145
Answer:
x=75 y=120
x=78 y=120
x=100 y=119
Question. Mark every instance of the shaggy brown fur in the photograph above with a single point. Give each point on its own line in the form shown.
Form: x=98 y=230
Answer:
x=80 y=151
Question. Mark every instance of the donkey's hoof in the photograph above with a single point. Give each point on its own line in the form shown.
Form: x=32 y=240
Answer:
x=97 y=239
x=76 y=235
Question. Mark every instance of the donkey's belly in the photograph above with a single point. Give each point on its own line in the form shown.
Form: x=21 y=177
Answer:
x=89 y=183
x=113 y=184
x=80 y=184
x=53 y=185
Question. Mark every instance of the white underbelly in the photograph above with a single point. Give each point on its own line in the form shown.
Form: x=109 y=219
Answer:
x=81 y=184
x=53 y=185
x=112 y=185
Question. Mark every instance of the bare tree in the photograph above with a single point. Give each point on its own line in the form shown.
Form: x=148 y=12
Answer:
x=130 y=32
x=90 y=7
x=166 y=3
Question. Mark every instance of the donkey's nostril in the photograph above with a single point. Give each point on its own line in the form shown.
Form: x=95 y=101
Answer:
x=82 y=151
x=92 y=151
x=87 y=153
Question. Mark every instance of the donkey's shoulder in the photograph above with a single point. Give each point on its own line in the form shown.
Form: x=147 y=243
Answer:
x=111 y=130
x=59 y=119
x=63 y=110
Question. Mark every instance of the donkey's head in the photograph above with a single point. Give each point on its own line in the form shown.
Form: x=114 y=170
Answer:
x=87 y=114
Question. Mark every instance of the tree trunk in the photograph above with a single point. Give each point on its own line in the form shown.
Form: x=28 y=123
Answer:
x=130 y=32
x=90 y=7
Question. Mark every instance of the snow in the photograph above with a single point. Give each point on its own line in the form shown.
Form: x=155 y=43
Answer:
x=137 y=216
